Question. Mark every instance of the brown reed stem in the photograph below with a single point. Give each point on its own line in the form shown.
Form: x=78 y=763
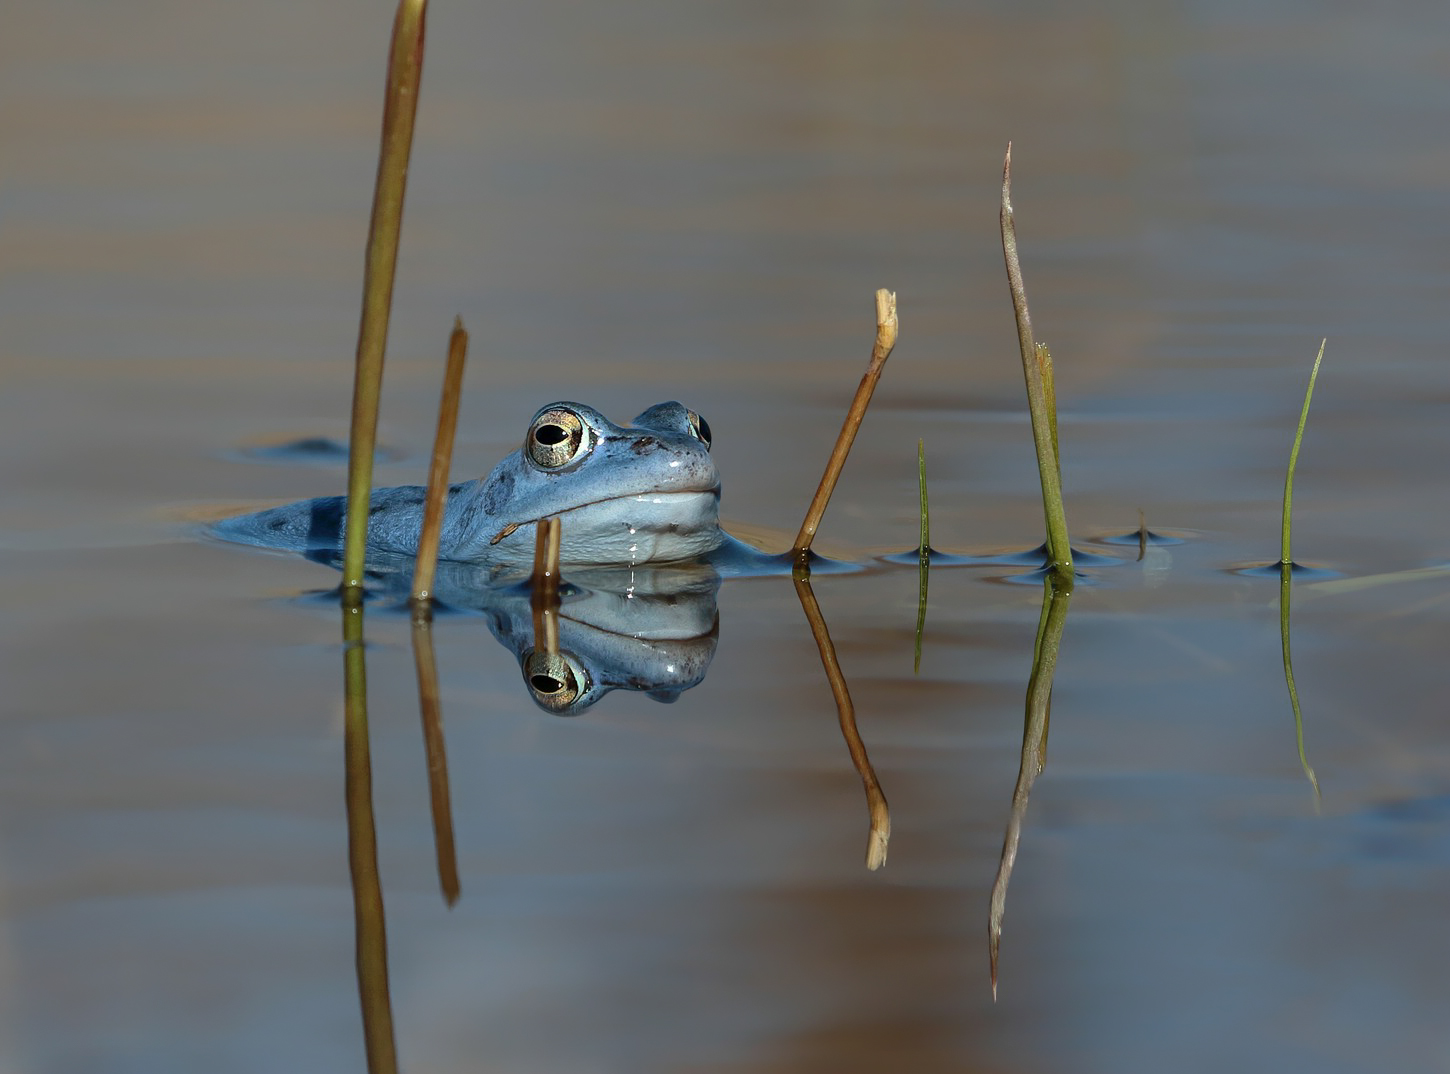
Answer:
x=886 y=327
x=544 y=583
x=427 y=561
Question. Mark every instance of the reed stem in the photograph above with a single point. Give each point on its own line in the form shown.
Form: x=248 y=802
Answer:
x=427 y=560
x=1041 y=391
x=1285 y=525
x=544 y=585
x=886 y=327
x=1286 y=577
x=405 y=70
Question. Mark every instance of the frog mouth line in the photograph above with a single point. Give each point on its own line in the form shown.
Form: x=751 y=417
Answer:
x=657 y=496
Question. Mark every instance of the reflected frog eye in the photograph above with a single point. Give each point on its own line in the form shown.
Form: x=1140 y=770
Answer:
x=557 y=438
x=556 y=682
x=699 y=427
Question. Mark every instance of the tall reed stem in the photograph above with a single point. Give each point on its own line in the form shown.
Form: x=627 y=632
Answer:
x=405 y=71
x=1041 y=391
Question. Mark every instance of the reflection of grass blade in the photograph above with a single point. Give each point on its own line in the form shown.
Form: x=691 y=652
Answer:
x=405 y=70
x=924 y=550
x=886 y=326
x=880 y=834
x=1284 y=556
x=1056 y=595
x=427 y=561
x=1286 y=586
x=362 y=854
x=1041 y=392
x=431 y=713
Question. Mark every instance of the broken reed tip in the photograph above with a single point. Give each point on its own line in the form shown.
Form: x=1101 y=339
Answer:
x=886 y=322
x=876 y=850
x=880 y=837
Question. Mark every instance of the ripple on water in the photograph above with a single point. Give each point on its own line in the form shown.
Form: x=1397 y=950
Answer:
x=307 y=451
x=1138 y=538
x=1034 y=557
x=1297 y=570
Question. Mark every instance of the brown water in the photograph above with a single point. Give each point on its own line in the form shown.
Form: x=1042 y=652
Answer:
x=629 y=205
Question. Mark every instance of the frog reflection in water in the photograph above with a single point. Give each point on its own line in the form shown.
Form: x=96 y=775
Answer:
x=648 y=493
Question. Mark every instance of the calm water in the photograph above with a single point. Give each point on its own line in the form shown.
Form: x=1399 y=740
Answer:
x=650 y=203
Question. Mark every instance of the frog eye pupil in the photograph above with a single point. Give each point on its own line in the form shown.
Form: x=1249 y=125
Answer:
x=549 y=435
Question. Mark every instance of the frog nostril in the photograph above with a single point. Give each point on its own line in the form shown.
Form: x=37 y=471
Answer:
x=643 y=444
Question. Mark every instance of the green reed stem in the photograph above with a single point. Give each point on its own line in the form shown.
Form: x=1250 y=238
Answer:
x=405 y=70
x=1041 y=391
x=437 y=498
x=1284 y=556
x=923 y=569
x=1049 y=392
x=1286 y=575
x=369 y=920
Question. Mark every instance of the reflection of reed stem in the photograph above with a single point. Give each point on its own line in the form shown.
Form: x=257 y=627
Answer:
x=886 y=326
x=405 y=70
x=880 y=834
x=1286 y=586
x=1041 y=391
x=1056 y=595
x=362 y=852
x=431 y=712
x=923 y=567
x=427 y=561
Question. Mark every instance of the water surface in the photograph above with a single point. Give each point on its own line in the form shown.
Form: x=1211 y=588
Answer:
x=654 y=203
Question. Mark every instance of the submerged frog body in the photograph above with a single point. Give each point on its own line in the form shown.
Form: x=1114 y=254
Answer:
x=642 y=494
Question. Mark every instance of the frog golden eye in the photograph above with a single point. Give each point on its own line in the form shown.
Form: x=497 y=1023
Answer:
x=557 y=681
x=699 y=427
x=557 y=438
